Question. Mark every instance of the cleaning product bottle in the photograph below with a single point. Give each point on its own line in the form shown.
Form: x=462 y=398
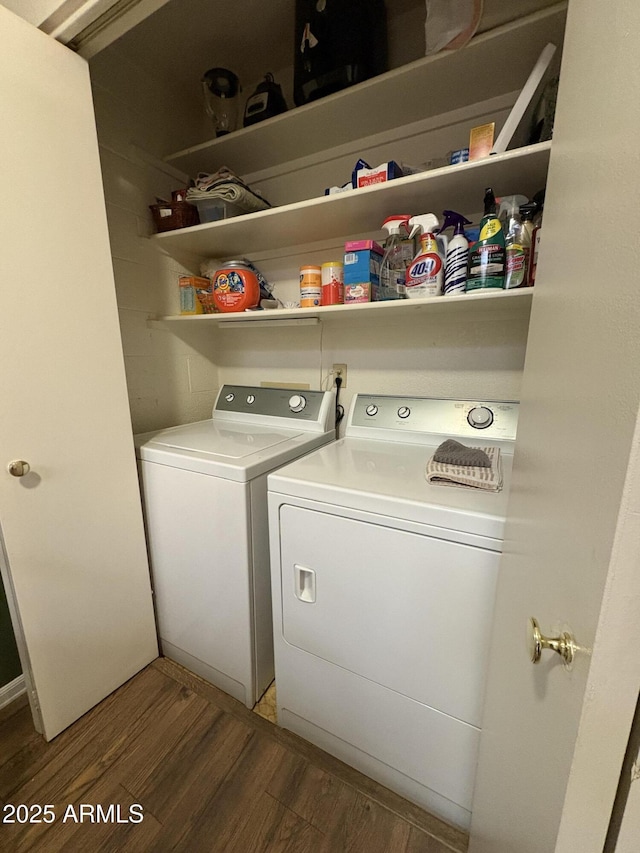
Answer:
x=507 y=204
x=527 y=212
x=535 y=237
x=457 y=256
x=426 y=274
x=487 y=258
x=393 y=269
x=516 y=271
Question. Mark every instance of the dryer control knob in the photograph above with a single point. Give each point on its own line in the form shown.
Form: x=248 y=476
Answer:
x=480 y=417
x=251 y=398
x=371 y=410
x=230 y=398
x=297 y=403
x=404 y=412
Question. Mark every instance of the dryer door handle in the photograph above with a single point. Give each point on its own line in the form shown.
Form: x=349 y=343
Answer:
x=305 y=584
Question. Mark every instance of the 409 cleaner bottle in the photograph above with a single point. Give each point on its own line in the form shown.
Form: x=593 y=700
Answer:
x=426 y=273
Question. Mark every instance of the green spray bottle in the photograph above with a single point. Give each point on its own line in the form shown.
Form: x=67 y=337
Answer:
x=488 y=256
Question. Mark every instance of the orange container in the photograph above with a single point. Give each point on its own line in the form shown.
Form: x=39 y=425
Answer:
x=310 y=286
x=236 y=288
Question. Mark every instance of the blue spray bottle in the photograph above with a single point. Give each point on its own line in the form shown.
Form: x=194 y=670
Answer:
x=457 y=256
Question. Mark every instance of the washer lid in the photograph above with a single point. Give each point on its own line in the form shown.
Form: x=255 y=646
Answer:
x=226 y=441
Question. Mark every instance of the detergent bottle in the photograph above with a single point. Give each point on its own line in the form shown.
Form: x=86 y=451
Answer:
x=457 y=255
x=393 y=269
x=425 y=276
x=488 y=256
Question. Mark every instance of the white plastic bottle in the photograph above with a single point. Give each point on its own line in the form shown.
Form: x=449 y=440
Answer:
x=457 y=254
x=393 y=269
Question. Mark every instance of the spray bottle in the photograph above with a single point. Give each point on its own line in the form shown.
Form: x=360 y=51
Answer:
x=487 y=258
x=457 y=256
x=516 y=256
x=527 y=212
x=507 y=205
x=517 y=253
x=426 y=273
x=535 y=238
x=393 y=269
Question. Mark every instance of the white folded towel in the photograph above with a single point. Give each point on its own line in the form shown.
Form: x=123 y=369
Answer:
x=468 y=476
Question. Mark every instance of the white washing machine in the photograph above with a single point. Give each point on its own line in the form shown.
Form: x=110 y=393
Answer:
x=383 y=590
x=205 y=501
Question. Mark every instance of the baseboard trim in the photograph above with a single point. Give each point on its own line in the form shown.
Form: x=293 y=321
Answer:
x=10 y=692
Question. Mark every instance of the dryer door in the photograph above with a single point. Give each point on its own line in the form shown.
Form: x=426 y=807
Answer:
x=405 y=610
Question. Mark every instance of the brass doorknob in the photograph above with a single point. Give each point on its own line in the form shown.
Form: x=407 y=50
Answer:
x=565 y=645
x=18 y=468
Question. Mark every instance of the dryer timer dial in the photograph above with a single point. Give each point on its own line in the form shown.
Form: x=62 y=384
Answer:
x=297 y=403
x=480 y=417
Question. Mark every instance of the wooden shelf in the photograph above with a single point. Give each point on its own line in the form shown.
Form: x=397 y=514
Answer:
x=468 y=306
x=494 y=63
x=461 y=187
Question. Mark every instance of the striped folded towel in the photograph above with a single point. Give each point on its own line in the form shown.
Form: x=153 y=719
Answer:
x=226 y=185
x=486 y=477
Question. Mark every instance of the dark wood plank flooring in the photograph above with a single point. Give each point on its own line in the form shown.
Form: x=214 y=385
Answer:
x=209 y=774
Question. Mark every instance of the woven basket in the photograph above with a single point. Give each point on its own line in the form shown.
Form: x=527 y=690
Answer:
x=175 y=214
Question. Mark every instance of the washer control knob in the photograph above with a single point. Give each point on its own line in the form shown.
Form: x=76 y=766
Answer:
x=230 y=398
x=404 y=412
x=251 y=398
x=371 y=410
x=480 y=417
x=297 y=403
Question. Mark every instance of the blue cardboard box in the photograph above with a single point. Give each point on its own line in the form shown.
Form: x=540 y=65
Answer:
x=362 y=259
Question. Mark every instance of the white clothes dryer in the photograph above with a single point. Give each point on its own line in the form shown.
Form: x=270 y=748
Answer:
x=205 y=501
x=383 y=590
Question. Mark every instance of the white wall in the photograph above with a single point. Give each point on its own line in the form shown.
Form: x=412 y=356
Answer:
x=430 y=357
x=170 y=379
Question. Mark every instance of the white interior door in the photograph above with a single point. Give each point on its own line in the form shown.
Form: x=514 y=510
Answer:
x=551 y=752
x=74 y=550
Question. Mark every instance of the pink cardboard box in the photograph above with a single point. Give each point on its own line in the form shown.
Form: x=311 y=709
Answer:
x=359 y=245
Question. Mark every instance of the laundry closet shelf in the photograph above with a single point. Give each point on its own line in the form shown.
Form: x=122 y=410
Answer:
x=336 y=217
x=425 y=88
x=467 y=307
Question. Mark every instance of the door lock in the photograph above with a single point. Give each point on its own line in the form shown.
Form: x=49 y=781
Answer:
x=18 y=468
x=564 y=645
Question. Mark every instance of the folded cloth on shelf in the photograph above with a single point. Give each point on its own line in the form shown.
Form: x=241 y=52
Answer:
x=486 y=477
x=226 y=185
